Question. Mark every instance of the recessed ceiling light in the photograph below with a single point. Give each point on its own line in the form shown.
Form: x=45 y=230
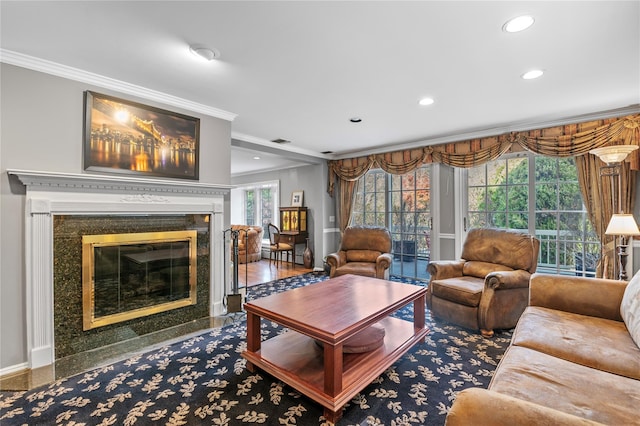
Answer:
x=205 y=53
x=256 y=158
x=355 y=120
x=426 y=101
x=518 y=24
x=530 y=75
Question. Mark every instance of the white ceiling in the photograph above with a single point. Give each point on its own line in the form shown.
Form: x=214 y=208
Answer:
x=300 y=70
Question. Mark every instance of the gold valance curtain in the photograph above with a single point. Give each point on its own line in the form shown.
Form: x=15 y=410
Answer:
x=572 y=140
x=561 y=141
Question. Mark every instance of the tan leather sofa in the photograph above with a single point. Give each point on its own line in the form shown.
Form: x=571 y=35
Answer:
x=249 y=249
x=488 y=288
x=573 y=360
x=363 y=251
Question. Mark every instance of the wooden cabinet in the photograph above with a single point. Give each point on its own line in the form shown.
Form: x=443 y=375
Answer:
x=293 y=220
x=293 y=226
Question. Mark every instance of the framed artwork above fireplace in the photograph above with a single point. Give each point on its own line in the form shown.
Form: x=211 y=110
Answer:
x=121 y=136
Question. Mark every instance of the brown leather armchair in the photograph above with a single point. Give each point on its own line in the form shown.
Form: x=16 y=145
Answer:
x=364 y=251
x=489 y=287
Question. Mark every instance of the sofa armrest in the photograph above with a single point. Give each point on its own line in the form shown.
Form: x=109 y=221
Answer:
x=594 y=297
x=384 y=261
x=335 y=260
x=477 y=406
x=443 y=269
x=504 y=280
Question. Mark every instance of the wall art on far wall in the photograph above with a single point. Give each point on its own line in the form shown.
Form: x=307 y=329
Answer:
x=121 y=136
x=296 y=198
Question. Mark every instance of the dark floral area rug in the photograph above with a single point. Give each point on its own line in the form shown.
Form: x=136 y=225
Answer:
x=203 y=380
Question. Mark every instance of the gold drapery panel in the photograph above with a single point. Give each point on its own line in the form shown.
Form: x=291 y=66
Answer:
x=596 y=188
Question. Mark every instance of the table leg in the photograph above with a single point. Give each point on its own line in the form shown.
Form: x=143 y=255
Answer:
x=253 y=336
x=332 y=416
x=332 y=369
x=419 y=308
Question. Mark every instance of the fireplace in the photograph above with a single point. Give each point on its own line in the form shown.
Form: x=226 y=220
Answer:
x=62 y=208
x=127 y=276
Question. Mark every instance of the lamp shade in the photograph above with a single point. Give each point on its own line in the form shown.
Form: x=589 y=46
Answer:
x=613 y=153
x=622 y=224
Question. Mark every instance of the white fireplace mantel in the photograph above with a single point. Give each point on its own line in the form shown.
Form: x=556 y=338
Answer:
x=52 y=193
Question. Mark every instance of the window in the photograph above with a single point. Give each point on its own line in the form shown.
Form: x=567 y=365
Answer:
x=539 y=195
x=402 y=204
x=255 y=204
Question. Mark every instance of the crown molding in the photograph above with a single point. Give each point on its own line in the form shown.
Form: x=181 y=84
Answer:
x=59 y=70
x=90 y=183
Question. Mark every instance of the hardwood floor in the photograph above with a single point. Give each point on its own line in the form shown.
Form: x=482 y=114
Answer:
x=261 y=272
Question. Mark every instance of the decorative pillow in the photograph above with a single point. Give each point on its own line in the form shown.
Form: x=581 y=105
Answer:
x=362 y=255
x=630 y=308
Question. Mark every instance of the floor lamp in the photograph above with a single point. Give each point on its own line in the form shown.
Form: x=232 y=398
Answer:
x=623 y=226
x=613 y=156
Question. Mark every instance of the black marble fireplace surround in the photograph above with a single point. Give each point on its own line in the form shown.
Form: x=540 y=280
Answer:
x=70 y=338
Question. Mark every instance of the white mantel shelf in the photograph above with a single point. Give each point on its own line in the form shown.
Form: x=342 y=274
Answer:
x=84 y=182
x=53 y=193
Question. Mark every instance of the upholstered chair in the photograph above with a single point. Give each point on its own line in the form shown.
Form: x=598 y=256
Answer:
x=363 y=251
x=488 y=288
x=249 y=243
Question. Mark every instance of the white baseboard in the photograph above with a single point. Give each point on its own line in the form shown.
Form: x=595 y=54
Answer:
x=14 y=369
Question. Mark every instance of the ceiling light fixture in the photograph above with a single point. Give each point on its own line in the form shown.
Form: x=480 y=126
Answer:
x=518 y=24
x=205 y=53
x=530 y=75
x=426 y=101
x=256 y=158
x=355 y=120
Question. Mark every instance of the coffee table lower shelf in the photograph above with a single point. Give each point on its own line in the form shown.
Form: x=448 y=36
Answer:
x=298 y=361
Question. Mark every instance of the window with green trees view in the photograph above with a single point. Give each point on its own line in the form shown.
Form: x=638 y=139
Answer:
x=259 y=205
x=539 y=195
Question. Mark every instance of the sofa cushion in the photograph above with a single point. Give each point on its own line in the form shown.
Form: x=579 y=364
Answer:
x=482 y=269
x=630 y=308
x=595 y=342
x=366 y=269
x=566 y=386
x=465 y=290
x=362 y=255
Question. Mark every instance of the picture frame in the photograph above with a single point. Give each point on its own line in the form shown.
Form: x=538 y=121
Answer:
x=296 y=198
x=122 y=136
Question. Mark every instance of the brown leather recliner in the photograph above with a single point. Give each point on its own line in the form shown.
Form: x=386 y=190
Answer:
x=364 y=251
x=489 y=287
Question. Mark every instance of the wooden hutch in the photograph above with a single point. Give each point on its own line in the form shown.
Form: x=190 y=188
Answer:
x=293 y=225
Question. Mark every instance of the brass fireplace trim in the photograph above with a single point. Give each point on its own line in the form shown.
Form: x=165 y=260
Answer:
x=90 y=242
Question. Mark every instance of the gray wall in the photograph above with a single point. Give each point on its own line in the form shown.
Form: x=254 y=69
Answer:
x=312 y=180
x=41 y=129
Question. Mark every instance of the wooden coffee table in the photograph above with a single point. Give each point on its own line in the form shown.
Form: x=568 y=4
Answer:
x=331 y=312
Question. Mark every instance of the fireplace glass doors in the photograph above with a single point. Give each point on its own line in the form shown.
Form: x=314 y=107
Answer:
x=126 y=276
